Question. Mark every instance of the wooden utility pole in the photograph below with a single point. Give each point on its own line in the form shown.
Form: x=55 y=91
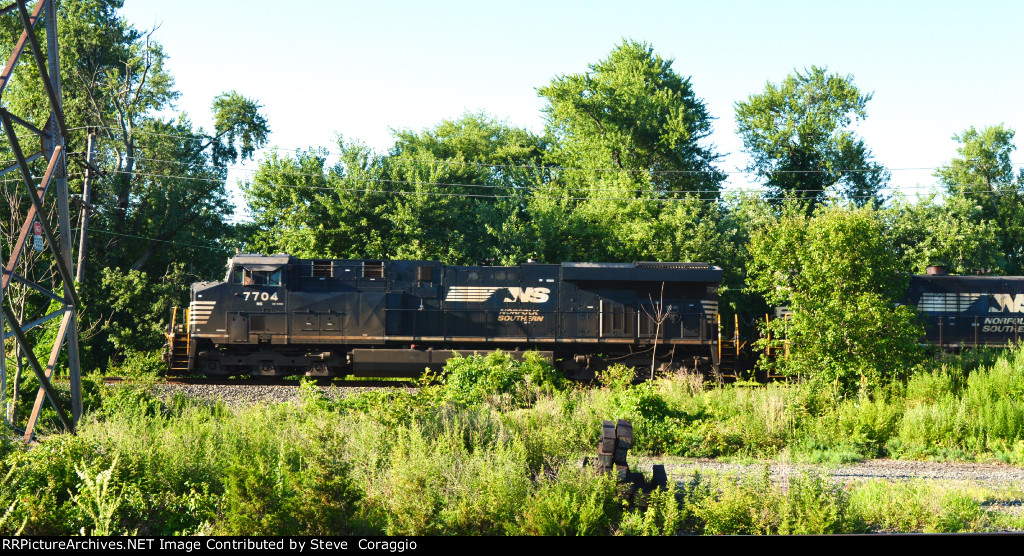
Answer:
x=86 y=208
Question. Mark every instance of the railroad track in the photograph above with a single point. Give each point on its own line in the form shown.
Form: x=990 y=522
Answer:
x=319 y=381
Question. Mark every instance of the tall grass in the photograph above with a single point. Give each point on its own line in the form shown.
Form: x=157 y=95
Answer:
x=984 y=415
x=495 y=448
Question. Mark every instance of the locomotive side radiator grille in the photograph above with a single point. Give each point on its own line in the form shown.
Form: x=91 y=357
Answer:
x=949 y=302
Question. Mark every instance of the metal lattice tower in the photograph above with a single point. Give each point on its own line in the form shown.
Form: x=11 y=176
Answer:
x=53 y=137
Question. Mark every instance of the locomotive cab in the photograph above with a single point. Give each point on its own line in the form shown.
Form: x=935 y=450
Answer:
x=258 y=270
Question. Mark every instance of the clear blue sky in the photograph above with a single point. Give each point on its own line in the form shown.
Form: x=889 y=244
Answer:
x=360 y=69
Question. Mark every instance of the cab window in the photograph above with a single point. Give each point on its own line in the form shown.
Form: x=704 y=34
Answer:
x=255 y=278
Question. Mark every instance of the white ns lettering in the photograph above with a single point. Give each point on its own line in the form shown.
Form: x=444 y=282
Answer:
x=1004 y=301
x=528 y=295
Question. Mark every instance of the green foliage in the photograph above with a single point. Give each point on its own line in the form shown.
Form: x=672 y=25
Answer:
x=655 y=422
x=130 y=400
x=632 y=111
x=983 y=175
x=237 y=119
x=634 y=115
x=390 y=407
x=499 y=379
x=744 y=507
x=288 y=495
x=662 y=512
x=289 y=198
x=471 y=178
x=575 y=503
x=97 y=499
x=753 y=505
x=403 y=462
x=450 y=474
x=618 y=377
x=134 y=309
x=919 y=506
x=814 y=505
x=139 y=364
x=984 y=415
x=954 y=234
x=796 y=135
x=8 y=503
x=984 y=165
x=841 y=277
x=45 y=481
x=455 y=193
x=852 y=430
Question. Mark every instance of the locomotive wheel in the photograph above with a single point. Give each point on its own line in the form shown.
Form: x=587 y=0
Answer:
x=265 y=368
x=318 y=369
x=214 y=368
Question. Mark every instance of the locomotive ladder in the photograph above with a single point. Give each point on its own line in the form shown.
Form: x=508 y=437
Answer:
x=729 y=349
x=776 y=348
x=178 y=344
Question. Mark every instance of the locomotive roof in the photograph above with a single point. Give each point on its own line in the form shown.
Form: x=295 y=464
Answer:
x=979 y=279
x=260 y=263
x=650 y=271
x=643 y=272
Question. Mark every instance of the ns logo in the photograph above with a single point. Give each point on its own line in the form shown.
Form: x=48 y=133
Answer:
x=1003 y=301
x=528 y=295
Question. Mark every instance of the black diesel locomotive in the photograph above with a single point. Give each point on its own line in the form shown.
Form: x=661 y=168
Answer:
x=969 y=311
x=279 y=315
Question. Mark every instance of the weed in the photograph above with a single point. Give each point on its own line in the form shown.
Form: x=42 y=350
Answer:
x=661 y=512
x=573 y=502
x=97 y=499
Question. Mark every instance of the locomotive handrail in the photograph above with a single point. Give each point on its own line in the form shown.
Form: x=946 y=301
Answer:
x=188 y=337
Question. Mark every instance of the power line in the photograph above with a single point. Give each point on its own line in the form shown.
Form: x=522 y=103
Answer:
x=552 y=168
x=107 y=232
x=711 y=193
x=548 y=167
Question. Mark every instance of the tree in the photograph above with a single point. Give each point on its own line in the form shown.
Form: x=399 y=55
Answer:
x=796 y=135
x=456 y=192
x=632 y=112
x=468 y=181
x=628 y=141
x=841 y=277
x=160 y=205
x=953 y=233
x=983 y=175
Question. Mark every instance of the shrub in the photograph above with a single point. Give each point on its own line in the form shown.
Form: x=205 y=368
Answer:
x=661 y=512
x=573 y=502
x=499 y=379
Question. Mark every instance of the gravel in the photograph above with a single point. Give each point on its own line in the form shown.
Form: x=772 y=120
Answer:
x=243 y=395
x=995 y=475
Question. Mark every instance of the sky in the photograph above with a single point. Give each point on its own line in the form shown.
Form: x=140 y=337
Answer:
x=358 y=70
